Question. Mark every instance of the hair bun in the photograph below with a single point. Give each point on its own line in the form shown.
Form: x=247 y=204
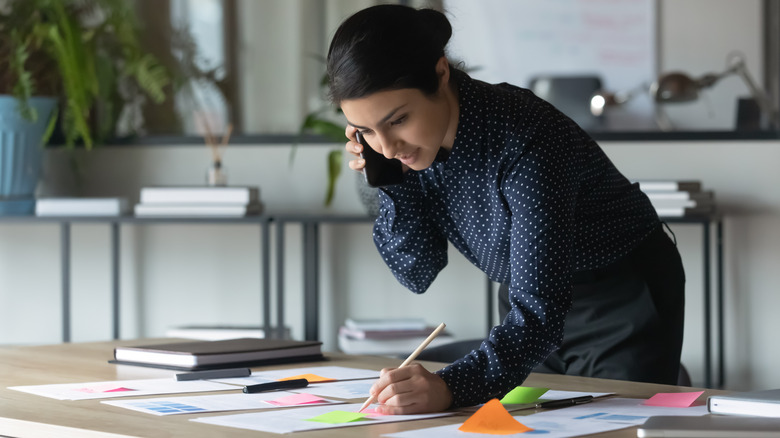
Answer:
x=438 y=24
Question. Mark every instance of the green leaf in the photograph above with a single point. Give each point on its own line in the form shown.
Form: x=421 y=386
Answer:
x=324 y=127
x=50 y=126
x=334 y=170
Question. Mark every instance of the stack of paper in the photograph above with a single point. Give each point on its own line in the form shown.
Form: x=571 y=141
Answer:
x=387 y=336
x=199 y=201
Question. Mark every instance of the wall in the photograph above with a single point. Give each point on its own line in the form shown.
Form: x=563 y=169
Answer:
x=183 y=274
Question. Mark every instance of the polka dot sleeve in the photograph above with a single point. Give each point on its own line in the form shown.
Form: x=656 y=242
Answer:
x=407 y=238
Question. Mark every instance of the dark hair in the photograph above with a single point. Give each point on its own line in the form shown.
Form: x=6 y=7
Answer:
x=386 y=47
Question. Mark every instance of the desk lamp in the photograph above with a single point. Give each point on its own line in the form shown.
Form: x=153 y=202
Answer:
x=677 y=87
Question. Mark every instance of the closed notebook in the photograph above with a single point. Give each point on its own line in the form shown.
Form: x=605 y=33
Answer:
x=758 y=403
x=707 y=426
x=210 y=354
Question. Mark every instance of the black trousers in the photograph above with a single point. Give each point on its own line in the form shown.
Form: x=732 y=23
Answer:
x=626 y=321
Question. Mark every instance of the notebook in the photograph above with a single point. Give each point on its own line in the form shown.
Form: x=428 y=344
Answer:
x=761 y=403
x=709 y=426
x=191 y=355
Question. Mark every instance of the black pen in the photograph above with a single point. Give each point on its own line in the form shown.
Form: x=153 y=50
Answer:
x=565 y=402
x=215 y=374
x=273 y=386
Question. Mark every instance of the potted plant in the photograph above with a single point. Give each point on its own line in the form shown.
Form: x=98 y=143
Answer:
x=73 y=64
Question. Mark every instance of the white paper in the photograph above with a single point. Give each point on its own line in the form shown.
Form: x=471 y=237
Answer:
x=295 y=420
x=336 y=373
x=349 y=389
x=208 y=403
x=598 y=416
x=122 y=388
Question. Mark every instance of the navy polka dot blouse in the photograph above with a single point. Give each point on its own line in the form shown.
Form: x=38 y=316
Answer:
x=529 y=198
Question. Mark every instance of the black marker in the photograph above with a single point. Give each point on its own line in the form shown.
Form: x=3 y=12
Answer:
x=565 y=402
x=273 y=386
x=215 y=374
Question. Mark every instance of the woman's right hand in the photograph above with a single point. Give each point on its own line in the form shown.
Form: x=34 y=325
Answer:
x=354 y=148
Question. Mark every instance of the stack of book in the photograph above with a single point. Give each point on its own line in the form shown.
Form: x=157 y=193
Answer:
x=678 y=198
x=390 y=337
x=193 y=355
x=199 y=201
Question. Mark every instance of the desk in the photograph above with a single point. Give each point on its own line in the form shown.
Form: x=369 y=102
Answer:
x=28 y=416
x=311 y=222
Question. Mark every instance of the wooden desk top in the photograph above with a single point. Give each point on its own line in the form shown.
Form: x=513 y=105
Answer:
x=30 y=416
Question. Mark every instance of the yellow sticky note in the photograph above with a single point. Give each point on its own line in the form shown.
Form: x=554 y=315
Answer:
x=522 y=395
x=338 y=417
x=312 y=378
x=492 y=418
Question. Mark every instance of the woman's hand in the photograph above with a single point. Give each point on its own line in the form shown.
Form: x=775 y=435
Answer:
x=354 y=148
x=410 y=390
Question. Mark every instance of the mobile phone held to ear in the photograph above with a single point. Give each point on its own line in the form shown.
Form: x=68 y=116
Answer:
x=379 y=171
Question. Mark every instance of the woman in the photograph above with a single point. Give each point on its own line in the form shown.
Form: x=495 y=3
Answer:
x=595 y=285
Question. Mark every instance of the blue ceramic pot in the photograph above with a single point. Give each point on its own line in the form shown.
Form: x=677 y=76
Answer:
x=21 y=153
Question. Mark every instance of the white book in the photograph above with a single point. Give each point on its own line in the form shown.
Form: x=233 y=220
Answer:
x=673 y=203
x=80 y=206
x=386 y=324
x=706 y=195
x=401 y=346
x=757 y=403
x=683 y=211
x=669 y=185
x=200 y=195
x=216 y=333
x=197 y=210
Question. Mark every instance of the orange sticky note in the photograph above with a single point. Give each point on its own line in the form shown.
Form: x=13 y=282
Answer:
x=492 y=418
x=673 y=399
x=312 y=378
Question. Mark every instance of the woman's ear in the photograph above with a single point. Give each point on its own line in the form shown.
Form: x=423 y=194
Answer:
x=443 y=72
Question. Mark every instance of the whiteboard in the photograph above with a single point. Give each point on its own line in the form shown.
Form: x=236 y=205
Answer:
x=515 y=40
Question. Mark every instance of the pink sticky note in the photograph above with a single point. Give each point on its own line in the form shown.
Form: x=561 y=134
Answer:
x=372 y=412
x=296 y=399
x=673 y=399
x=98 y=389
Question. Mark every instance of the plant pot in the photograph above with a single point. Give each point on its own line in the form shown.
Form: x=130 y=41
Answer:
x=21 y=153
x=369 y=196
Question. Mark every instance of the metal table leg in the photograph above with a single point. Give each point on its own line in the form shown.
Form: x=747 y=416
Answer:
x=115 y=297
x=65 y=260
x=311 y=277
x=721 y=323
x=707 y=308
x=265 y=272
x=279 y=279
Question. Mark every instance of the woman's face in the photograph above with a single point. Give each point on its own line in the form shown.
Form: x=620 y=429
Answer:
x=405 y=124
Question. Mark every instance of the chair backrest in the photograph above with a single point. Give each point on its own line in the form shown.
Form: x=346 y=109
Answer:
x=571 y=95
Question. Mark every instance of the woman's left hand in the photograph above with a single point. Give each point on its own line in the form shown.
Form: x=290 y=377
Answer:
x=410 y=390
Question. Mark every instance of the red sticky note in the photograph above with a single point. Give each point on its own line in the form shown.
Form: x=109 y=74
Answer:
x=492 y=418
x=673 y=399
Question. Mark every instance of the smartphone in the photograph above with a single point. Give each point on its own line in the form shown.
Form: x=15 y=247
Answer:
x=379 y=171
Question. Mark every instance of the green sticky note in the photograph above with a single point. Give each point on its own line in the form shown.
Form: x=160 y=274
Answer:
x=337 y=417
x=523 y=395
